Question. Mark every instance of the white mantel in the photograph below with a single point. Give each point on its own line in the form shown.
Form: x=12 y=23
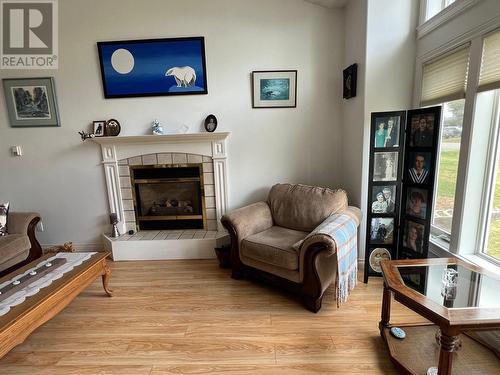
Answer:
x=210 y=146
x=168 y=138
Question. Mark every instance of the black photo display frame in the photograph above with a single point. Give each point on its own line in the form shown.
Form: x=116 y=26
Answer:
x=402 y=170
x=385 y=174
x=422 y=137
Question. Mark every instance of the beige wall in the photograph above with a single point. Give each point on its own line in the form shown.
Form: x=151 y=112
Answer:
x=62 y=177
x=380 y=37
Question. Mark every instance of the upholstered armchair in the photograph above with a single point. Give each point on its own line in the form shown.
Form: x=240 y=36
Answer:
x=20 y=246
x=268 y=240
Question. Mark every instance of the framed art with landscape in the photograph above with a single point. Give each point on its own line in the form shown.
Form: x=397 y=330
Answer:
x=31 y=102
x=274 y=89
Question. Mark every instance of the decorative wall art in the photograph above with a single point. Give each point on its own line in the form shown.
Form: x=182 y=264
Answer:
x=274 y=89
x=152 y=67
x=350 y=81
x=400 y=193
x=31 y=102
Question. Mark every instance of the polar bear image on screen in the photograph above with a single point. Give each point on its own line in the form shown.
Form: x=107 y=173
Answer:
x=185 y=76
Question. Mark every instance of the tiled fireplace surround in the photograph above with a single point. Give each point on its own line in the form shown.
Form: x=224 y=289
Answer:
x=119 y=153
x=167 y=159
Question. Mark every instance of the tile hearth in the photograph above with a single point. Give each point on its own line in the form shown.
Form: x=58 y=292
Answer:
x=160 y=235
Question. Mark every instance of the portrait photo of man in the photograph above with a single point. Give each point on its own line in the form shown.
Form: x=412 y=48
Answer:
x=422 y=128
x=418 y=170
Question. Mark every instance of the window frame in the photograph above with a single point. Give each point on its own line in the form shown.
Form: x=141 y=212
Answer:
x=460 y=242
x=447 y=13
x=487 y=199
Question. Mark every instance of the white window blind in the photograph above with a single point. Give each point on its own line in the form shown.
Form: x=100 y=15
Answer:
x=445 y=78
x=489 y=76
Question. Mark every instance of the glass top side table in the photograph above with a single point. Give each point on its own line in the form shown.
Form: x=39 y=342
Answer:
x=455 y=296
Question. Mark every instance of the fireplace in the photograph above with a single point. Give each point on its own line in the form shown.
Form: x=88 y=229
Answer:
x=165 y=181
x=168 y=197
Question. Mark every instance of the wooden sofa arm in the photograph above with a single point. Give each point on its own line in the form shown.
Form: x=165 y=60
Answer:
x=248 y=220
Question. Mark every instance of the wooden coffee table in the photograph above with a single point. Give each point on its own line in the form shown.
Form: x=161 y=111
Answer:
x=469 y=305
x=21 y=320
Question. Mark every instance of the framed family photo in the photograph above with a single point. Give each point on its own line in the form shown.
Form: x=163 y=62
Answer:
x=387 y=131
x=274 y=89
x=385 y=166
x=414 y=236
x=153 y=67
x=31 y=102
x=383 y=199
x=419 y=167
x=416 y=202
x=422 y=130
x=99 y=127
x=382 y=230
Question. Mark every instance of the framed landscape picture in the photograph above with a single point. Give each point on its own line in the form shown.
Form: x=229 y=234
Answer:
x=31 y=102
x=274 y=89
x=153 y=67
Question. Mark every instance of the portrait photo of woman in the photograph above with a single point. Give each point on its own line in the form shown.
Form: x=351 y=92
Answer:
x=413 y=236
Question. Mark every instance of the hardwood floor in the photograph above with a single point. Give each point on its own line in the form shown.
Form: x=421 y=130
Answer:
x=190 y=317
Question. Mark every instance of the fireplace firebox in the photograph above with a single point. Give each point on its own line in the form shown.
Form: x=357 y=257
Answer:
x=168 y=196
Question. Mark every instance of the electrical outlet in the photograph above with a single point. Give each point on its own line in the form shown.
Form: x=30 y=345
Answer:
x=16 y=150
x=39 y=226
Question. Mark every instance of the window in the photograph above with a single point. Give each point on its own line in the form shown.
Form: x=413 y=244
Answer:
x=447 y=169
x=444 y=81
x=490 y=228
x=466 y=81
x=433 y=7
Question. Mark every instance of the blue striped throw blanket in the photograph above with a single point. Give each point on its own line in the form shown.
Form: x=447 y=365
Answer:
x=343 y=230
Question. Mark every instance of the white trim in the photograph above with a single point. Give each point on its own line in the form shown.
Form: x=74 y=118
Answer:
x=488 y=191
x=170 y=138
x=458 y=229
x=443 y=16
x=481 y=262
x=478 y=31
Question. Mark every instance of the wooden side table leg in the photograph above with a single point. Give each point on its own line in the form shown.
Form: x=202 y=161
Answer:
x=448 y=345
x=105 y=279
x=386 y=309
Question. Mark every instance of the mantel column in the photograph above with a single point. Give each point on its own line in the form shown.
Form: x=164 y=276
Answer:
x=110 y=164
x=219 y=156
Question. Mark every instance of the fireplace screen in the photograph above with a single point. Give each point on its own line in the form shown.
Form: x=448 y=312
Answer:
x=168 y=197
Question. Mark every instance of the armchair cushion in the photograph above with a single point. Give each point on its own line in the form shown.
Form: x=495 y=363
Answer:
x=250 y=219
x=273 y=246
x=302 y=207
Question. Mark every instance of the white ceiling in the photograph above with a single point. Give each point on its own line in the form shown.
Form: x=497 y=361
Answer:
x=329 y=3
